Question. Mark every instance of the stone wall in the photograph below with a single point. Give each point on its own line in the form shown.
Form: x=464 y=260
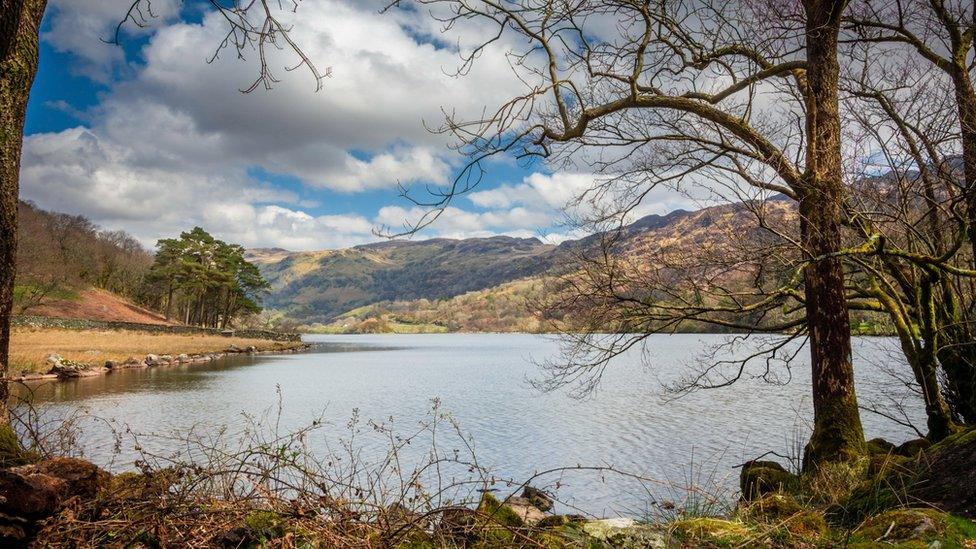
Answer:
x=81 y=324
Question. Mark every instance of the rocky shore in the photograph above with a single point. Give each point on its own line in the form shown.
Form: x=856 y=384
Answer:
x=60 y=368
x=921 y=497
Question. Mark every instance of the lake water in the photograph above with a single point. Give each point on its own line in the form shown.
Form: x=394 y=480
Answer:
x=630 y=423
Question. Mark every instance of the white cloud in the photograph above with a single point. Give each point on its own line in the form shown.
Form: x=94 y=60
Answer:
x=171 y=144
x=458 y=223
x=83 y=27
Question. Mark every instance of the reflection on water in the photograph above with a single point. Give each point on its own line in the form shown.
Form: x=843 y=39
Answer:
x=481 y=380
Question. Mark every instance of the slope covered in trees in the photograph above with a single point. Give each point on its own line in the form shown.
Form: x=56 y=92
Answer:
x=60 y=255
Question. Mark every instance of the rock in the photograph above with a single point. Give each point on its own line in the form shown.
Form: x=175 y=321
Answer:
x=908 y=528
x=29 y=496
x=152 y=360
x=912 y=448
x=529 y=513
x=780 y=509
x=496 y=511
x=252 y=349
x=880 y=446
x=112 y=364
x=82 y=478
x=710 y=532
x=232 y=349
x=758 y=478
x=13 y=530
x=456 y=523
x=166 y=359
x=624 y=533
x=538 y=498
x=133 y=362
x=65 y=368
x=54 y=361
x=183 y=358
x=945 y=476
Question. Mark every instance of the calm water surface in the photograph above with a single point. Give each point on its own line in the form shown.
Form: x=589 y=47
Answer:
x=630 y=423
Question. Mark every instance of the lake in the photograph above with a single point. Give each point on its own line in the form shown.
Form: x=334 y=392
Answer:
x=631 y=422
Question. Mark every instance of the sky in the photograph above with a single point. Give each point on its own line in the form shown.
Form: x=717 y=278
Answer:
x=150 y=138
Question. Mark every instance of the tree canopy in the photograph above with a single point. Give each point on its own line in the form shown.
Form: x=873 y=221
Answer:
x=203 y=280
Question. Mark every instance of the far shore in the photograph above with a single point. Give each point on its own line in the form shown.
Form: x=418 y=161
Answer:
x=47 y=354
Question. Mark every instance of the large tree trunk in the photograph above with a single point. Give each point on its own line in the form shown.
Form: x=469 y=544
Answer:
x=19 y=23
x=837 y=433
x=958 y=355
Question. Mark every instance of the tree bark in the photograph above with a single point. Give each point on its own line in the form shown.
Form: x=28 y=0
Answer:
x=837 y=433
x=19 y=24
x=959 y=357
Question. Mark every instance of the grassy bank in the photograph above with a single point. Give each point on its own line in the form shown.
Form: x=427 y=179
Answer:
x=30 y=347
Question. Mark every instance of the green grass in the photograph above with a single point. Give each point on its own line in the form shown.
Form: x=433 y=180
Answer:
x=24 y=291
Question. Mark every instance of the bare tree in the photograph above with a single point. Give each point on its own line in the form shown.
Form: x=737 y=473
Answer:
x=749 y=88
x=926 y=93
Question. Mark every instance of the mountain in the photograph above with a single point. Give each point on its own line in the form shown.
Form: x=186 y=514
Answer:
x=477 y=284
x=318 y=286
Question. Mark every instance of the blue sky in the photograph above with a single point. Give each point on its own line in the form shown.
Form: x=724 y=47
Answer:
x=152 y=139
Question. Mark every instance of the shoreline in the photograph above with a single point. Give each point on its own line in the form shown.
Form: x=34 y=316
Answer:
x=66 y=370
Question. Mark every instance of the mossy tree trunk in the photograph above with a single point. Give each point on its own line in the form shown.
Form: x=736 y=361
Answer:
x=19 y=24
x=959 y=360
x=837 y=434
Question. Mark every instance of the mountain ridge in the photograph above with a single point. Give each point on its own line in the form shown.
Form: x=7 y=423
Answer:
x=320 y=287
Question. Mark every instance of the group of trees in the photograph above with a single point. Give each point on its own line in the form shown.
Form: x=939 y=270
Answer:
x=195 y=279
x=200 y=280
x=60 y=253
x=858 y=116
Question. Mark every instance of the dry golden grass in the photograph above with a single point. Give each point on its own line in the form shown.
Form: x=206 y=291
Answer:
x=30 y=347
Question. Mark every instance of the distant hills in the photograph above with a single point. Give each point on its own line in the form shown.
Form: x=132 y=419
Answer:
x=476 y=284
x=319 y=286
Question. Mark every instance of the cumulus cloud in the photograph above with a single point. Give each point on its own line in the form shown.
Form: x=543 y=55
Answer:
x=570 y=196
x=173 y=143
x=83 y=27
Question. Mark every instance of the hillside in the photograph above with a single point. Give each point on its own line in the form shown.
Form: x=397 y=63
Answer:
x=68 y=267
x=509 y=307
x=320 y=286
x=482 y=284
x=97 y=304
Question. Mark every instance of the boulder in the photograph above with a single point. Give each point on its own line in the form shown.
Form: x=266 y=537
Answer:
x=624 y=533
x=65 y=368
x=232 y=349
x=29 y=496
x=538 y=498
x=81 y=478
x=152 y=360
x=31 y=493
x=880 y=446
x=710 y=532
x=54 y=361
x=913 y=447
x=112 y=364
x=759 y=478
x=183 y=358
x=529 y=513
